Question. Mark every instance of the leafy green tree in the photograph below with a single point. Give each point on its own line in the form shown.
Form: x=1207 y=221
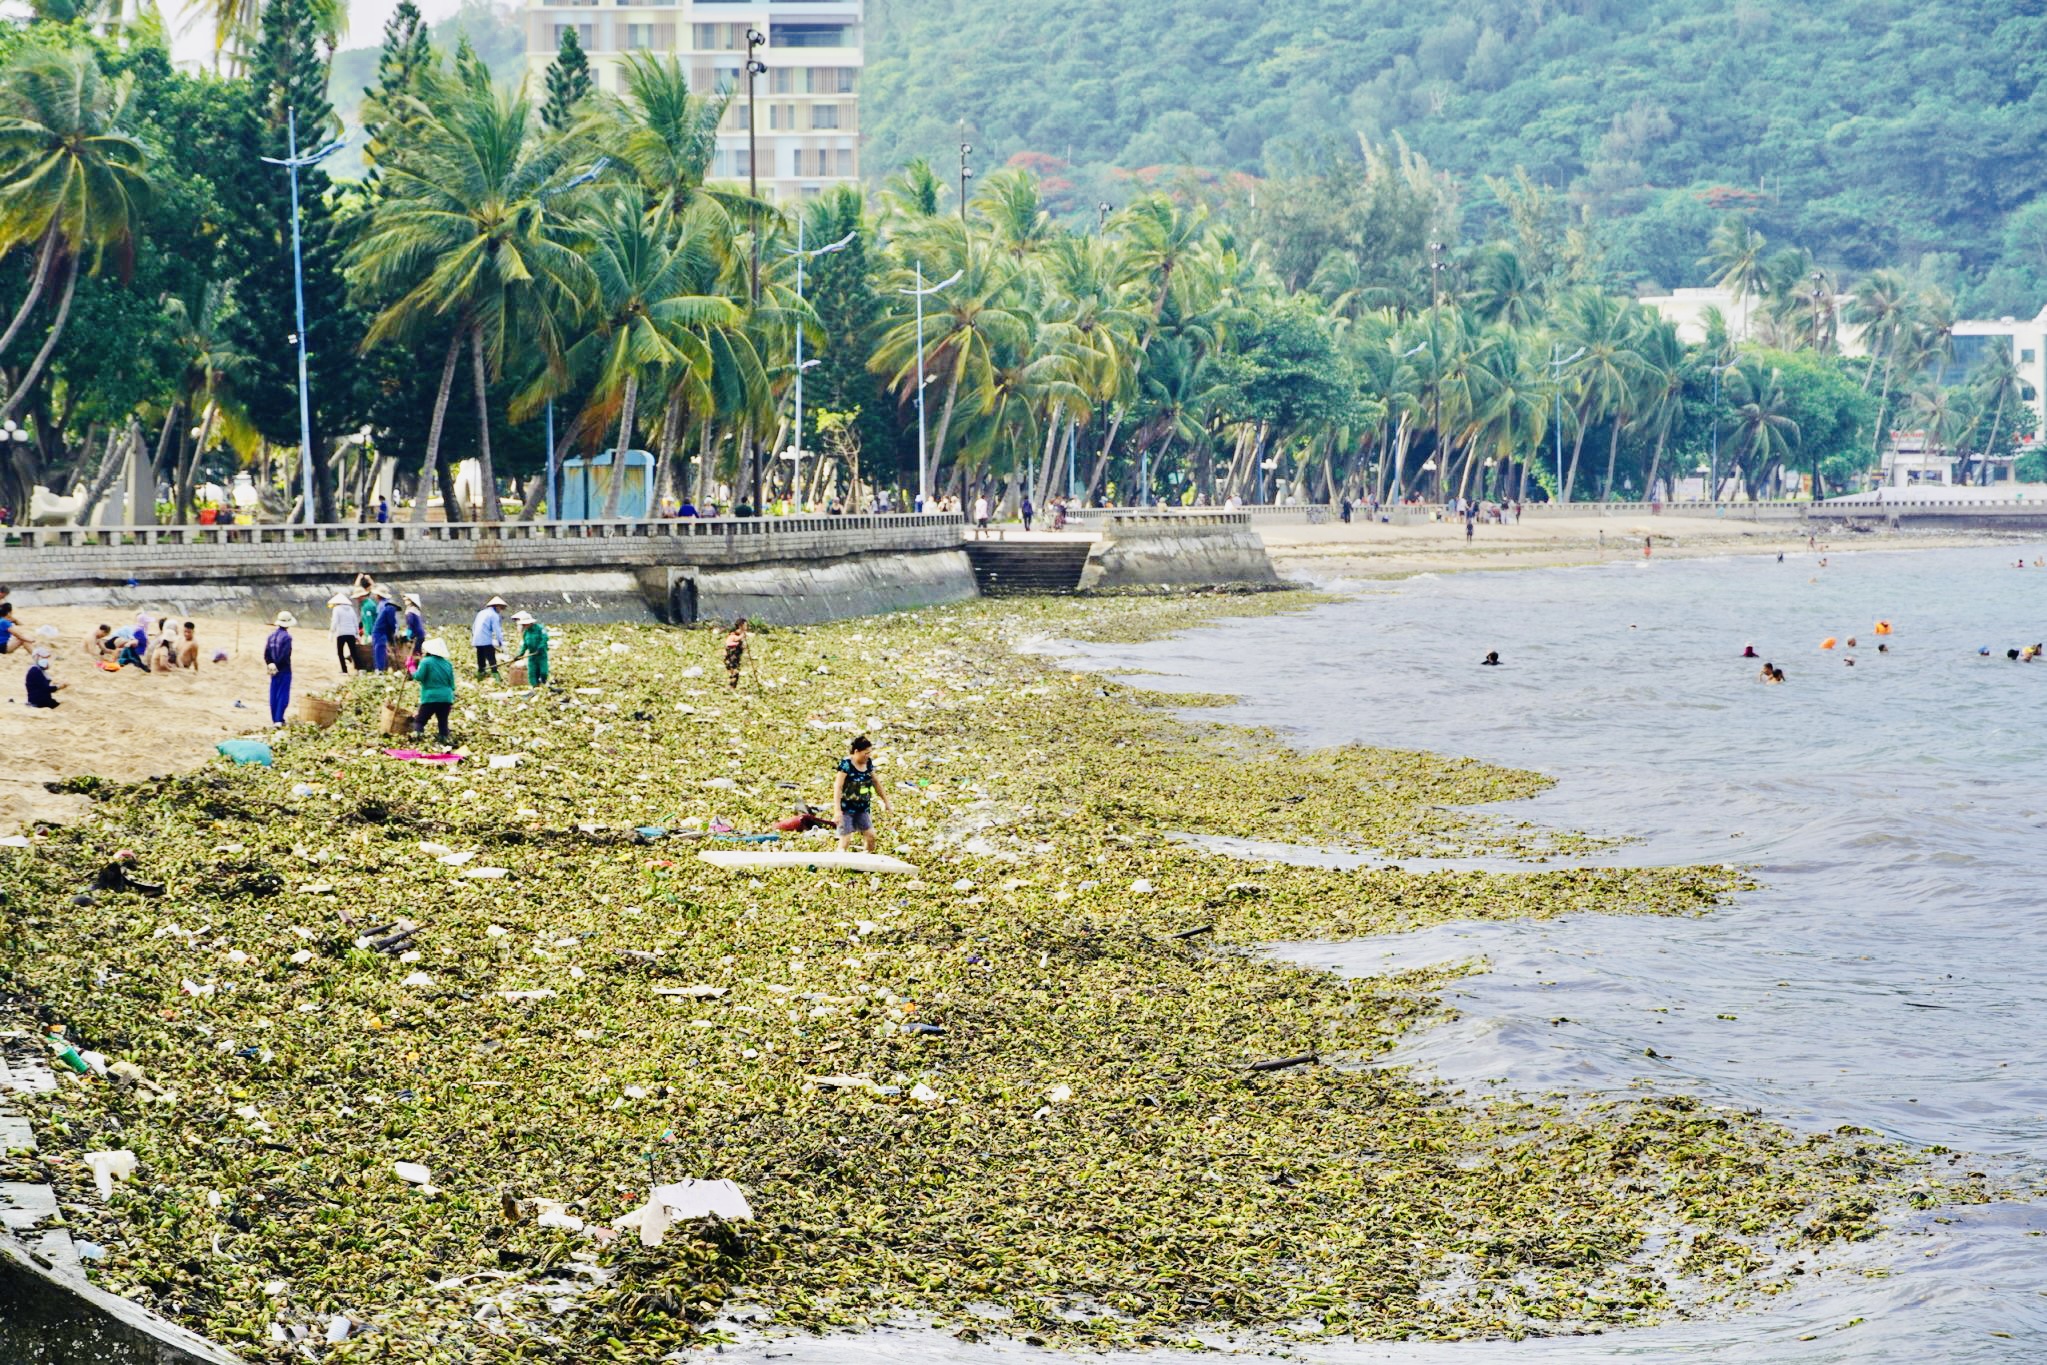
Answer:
x=568 y=82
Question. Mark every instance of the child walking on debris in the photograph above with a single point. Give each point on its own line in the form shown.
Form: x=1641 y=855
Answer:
x=855 y=789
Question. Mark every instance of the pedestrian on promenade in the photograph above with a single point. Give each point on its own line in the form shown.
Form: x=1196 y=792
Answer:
x=487 y=634
x=345 y=626
x=436 y=678
x=277 y=661
x=1028 y=512
x=981 y=516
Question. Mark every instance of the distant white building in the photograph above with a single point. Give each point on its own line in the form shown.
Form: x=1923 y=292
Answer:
x=2028 y=343
x=1745 y=318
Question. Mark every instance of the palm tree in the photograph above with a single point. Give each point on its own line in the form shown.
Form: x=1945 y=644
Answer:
x=1513 y=414
x=468 y=232
x=1603 y=328
x=667 y=135
x=1015 y=215
x=912 y=194
x=1765 y=435
x=974 y=316
x=1735 y=254
x=644 y=312
x=1666 y=366
x=1998 y=386
x=1502 y=290
x=72 y=180
x=236 y=23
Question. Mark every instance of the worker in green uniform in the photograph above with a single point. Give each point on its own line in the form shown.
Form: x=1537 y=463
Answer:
x=532 y=648
x=436 y=678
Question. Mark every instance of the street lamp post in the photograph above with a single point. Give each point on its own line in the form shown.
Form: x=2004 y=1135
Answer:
x=755 y=67
x=801 y=255
x=966 y=174
x=923 y=462
x=1435 y=343
x=291 y=162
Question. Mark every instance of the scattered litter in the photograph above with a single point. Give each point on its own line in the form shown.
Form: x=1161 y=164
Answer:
x=670 y=1204
x=486 y=873
x=108 y=1167
x=698 y=992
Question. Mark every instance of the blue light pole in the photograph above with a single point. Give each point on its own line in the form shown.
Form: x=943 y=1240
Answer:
x=291 y=162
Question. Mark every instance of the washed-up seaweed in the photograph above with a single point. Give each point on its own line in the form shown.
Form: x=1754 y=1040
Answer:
x=1021 y=1083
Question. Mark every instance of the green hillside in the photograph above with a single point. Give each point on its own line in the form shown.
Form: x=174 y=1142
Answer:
x=1873 y=132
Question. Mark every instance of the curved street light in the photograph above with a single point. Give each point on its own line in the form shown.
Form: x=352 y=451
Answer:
x=923 y=464
x=291 y=161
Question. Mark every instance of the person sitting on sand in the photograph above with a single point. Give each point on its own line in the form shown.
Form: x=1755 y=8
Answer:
x=188 y=646
x=134 y=649
x=12 y=637
x=855 y=789
x=42 y=693
x=102 y=643
x=1491 y=660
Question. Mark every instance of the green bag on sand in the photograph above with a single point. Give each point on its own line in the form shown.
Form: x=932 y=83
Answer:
x=245 y=751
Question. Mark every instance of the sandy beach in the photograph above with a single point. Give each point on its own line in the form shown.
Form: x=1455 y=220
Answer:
x=128 y=725
x=1324 y=553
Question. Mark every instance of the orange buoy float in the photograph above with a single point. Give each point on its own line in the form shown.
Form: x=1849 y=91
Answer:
x=1827 y=643
x=1883 y=627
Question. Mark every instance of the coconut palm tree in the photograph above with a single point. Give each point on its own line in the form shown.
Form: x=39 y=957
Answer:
x=667 y=135
x=644 y=313
x=72 y=180
x=1603 y=328
x=1764 y=433
x=1666 y=366
x=1998 y=388
x=468 y=231
x=1734 y=253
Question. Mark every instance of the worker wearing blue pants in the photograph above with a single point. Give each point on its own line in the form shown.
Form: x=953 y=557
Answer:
x=384 y=629
x=277 y=659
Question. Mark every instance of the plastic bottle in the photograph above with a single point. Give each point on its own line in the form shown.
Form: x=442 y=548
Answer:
x=66 y=1053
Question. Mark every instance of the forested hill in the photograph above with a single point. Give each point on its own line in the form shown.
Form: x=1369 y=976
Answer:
x=1872 y=132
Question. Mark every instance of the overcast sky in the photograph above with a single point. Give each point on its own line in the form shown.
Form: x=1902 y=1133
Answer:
x=193 y=41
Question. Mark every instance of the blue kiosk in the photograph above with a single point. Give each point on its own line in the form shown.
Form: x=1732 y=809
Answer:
x=586 y=485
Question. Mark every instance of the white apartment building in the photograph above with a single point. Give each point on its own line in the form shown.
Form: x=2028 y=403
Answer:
x=807 y=101
x=2028 y=343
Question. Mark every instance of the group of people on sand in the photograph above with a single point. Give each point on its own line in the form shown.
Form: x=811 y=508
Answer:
x=154 y=644
x=375 y=630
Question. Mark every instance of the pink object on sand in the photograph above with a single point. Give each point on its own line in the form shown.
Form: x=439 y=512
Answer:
x=414 y=755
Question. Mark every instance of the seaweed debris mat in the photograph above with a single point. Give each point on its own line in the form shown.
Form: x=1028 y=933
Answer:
x=403 y=1043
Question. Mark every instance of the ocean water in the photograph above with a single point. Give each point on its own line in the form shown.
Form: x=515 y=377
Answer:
x=1891 y=973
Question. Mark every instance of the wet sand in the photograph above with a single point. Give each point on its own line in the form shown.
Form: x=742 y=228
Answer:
x=1334 y=551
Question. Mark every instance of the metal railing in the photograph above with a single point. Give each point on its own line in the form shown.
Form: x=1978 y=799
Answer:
x=465 y=532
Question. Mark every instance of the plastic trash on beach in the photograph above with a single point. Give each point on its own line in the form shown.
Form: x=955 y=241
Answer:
x=668 y=1205
x=108 y=1167
x=244 y=751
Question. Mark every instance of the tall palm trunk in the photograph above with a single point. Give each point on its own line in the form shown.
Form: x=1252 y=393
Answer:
x=44 y=256
x=1042 y=492
x=486 y=471
x=935 y=457
x=1883 y=402
x=431 y=464
x=625 y=444
x=1577 y=444
x=35 y=369
x=1656 y=460
x=1613 y=450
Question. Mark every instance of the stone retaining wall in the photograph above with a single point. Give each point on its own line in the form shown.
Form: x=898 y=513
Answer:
x=1178 y=550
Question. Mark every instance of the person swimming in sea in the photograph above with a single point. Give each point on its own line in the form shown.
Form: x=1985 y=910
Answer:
x=1766 y=673
x=1748 y=651
x=1491 y=660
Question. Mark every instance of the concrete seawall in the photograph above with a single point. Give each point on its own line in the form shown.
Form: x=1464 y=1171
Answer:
x=1178 y=550
x=787 y=571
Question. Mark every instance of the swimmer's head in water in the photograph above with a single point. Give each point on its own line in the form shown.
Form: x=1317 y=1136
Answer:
x=1492 y=657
